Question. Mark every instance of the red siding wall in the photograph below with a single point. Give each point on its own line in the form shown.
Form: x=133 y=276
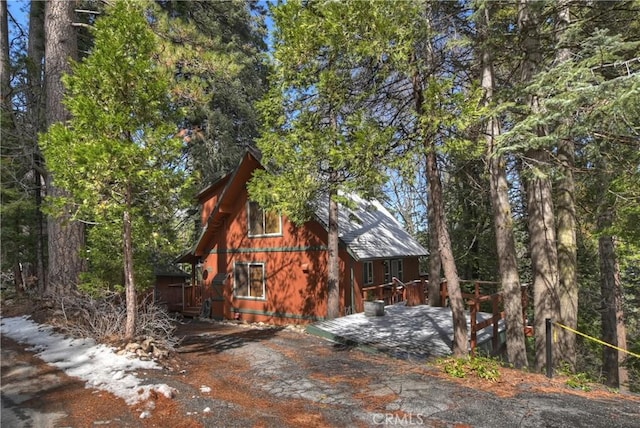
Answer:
x=295 y=269
x=209 y=198
x=295 y=263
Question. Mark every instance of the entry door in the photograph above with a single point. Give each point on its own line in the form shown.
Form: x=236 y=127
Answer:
x=396 y=269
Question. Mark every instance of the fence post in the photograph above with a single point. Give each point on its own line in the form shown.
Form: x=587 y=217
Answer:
x=473 y=309
x=549 y=350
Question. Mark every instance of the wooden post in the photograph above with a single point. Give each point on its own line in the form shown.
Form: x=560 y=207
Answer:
x=414 y=294
x=443 y=292
x=549 y=352
x=474 y=334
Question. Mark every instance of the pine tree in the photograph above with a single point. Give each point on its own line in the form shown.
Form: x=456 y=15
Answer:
x=36 y=123
x=218 y=47
x=585 y=109
x=502 y=218
x=566 y=216
x=117 y=156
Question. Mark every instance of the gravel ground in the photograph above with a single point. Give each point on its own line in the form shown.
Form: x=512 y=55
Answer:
x=239 y=376
x=346 y=387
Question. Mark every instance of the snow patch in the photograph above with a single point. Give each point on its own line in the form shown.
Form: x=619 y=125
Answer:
x=98 y=365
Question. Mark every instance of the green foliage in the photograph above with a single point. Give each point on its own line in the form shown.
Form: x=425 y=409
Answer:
x=480 y=367
x=217 y=52
x=320 y=136
x=576 y=380
x=104 y=255
x=119 y=151
x=18 y=227
x=454 y=367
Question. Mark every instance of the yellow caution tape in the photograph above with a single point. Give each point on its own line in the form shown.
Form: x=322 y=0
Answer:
x=597 y=340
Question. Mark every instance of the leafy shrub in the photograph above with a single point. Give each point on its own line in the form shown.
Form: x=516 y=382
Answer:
x=480 y=367
x=576 y=380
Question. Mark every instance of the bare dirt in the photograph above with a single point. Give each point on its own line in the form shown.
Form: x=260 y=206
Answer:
x=242 y=376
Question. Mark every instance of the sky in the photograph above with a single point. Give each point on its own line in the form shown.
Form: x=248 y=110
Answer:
x=19 y=10
x=97 y=365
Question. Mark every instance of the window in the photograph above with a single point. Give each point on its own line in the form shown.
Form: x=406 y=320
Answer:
x=249 y=280
x=263 y=223
x=393 y=268
x=368 y=272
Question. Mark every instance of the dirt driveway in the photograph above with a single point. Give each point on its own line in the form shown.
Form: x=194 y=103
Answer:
x=235 y=376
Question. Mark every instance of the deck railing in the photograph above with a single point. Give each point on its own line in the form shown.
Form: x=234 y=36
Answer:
x=391 y=293
x=477 y=298
x=477 y=295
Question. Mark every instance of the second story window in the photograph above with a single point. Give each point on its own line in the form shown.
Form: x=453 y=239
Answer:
x=263 y=223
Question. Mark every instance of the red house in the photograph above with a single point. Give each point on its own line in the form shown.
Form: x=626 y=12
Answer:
x=256 y=265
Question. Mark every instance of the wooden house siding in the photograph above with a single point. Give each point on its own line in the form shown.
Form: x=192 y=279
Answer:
x=295 y=265
x=292 y=262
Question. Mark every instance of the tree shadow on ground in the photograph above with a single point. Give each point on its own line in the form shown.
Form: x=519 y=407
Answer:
x=197 y=337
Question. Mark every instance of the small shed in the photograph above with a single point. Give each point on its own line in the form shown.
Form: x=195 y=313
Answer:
x=170 y=286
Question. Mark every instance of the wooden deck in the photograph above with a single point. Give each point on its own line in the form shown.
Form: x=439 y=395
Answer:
x=417 y=332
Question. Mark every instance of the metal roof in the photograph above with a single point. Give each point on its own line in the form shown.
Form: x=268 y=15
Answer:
x=369 y=230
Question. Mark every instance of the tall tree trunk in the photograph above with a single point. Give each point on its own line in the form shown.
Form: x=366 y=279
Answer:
x=65 y=237
x=613 y=327
x=435 y=264
x=439 y=221
x=460 y=337
x=502 y=220
x=445 y=250
x=544 y=260
x=129 y=283
x=35 y=53
x=333 y=259
x=333 y=276
x=5 y=64
x=7 y=120
x=566 y=224
x=435 y=260
x=541 y=222
x=37 y=123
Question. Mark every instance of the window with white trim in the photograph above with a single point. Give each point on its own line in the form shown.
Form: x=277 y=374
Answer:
x=249 y=280
x=263 y=223
x=368 y=273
